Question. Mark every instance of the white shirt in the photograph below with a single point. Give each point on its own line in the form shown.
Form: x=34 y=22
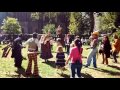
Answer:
x=30 y=40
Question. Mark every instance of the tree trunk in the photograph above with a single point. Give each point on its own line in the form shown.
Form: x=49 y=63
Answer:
x=92 y=22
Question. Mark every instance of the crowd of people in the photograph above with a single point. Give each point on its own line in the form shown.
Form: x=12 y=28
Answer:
x=73 y=49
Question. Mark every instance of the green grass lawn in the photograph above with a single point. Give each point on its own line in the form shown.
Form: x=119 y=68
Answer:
x=7 y=69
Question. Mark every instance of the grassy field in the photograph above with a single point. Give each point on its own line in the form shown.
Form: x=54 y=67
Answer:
x=48 y=70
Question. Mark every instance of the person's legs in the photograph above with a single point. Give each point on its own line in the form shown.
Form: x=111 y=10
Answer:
x=15 y=61
x=103 y=58
x=79 y=67
x=94 y=60
x=68 y=48
x=35 y=73
x=89 y=59
x=29 y=67
x=106 y=60
x=72 y=70
x=114 y=56
x=19 y=62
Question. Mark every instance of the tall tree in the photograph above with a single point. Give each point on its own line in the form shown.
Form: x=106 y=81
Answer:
x=75 y=19
x=11 y=25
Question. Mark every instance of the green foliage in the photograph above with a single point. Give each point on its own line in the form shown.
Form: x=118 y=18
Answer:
x=49 y=28
x=107 y=21
x=78 y=22
x=11 y=25
x=39 y=15
x=75 y=19
x=118 y=33
x=35 y=16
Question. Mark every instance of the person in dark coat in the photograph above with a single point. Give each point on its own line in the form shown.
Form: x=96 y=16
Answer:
x=106 y=49
x=16 y=51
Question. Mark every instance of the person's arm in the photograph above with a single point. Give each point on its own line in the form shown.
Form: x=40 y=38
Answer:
x=67 y=60
x=69 y=57
x=92 y=46
x=38 y=43
x=24 y=44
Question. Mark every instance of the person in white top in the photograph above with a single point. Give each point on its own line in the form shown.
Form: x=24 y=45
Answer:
x=33 y=45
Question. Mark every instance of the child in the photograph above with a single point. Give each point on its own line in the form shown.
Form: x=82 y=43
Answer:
x=76 y=58
x=60 y=62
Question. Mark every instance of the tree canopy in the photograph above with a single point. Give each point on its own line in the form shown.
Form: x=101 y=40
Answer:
x=81 y=22
x=11 y=25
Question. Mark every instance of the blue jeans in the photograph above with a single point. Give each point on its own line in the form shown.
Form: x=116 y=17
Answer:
x=75 y=67
x=91 y=56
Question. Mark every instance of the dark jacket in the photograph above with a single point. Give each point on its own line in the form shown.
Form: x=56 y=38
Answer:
x=16 y=47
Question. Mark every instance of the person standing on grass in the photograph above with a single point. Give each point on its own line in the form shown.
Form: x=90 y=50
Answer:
x=16 y=51
x=60 y=62
x=116 y=47
x=68 y=41
x=94 y=50
x=106 y=49
x=46 y=47
x=33 y=45
x=76 y=58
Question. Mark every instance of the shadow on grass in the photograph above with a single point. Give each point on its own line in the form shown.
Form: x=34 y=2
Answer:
x=109 y=72
x=64 y=75
x=51 y=63
x=21 y=73
x=86 y=75
x=82 y=74
x=116 y=67
x=106 y=71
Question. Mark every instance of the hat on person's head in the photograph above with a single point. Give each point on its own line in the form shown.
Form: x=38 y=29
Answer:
x=95 y=33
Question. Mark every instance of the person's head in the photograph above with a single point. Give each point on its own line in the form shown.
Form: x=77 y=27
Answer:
x=20 y=35
x=58 y=41
x=35 y=35
x=115 y=36
x=60 y=49
x=91 y=38
x=95 y=34
x=77 y=37
x=68 y=35
x=106 y=39
x=77 y=42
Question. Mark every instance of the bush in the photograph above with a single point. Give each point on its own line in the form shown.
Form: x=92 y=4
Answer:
x=49 y=28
